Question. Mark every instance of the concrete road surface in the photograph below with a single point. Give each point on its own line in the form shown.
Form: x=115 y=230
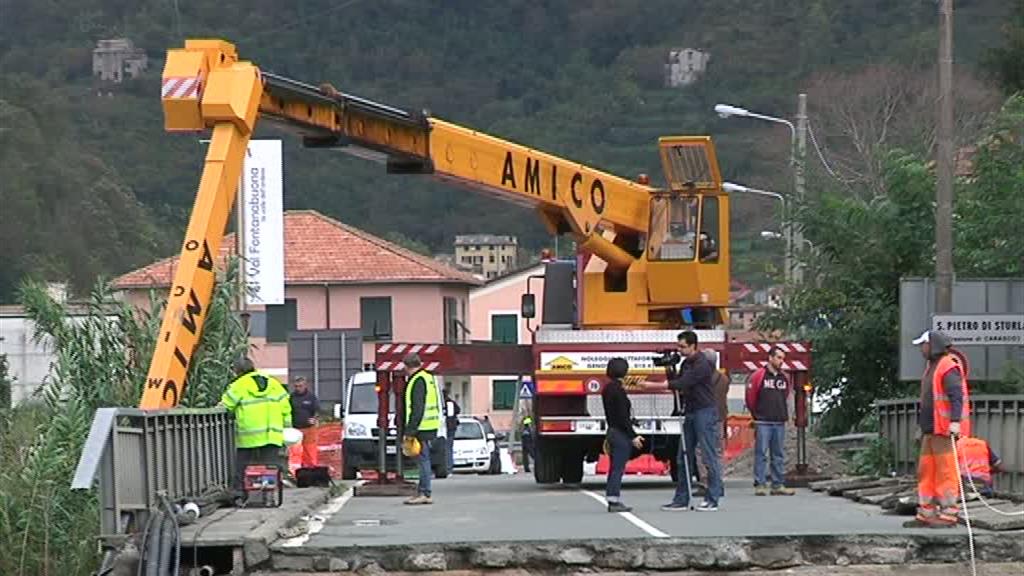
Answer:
x=514 y=508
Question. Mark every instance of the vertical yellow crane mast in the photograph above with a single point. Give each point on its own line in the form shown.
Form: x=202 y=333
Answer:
x=204 y=87
x=655 y=252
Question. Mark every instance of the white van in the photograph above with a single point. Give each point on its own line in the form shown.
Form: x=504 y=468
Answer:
x=359 y=445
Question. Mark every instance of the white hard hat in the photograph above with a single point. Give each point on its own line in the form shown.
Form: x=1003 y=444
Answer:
x=292 y=436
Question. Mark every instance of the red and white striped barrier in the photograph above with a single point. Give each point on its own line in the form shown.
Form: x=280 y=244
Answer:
x=182 y=87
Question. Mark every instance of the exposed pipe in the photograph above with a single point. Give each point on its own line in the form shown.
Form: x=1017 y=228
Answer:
x=166 y=544
x=176 y=535
x=143 y=544
x=153 y=545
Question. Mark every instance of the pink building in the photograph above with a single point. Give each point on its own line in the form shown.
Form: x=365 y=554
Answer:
x=494 y=315
x=339 y=277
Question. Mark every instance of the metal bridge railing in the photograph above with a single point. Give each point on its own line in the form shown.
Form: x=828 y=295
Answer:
x=997 y=419
x=135 y=455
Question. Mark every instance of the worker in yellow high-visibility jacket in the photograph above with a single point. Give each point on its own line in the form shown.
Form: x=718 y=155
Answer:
x=262 y=410
x=422 y=420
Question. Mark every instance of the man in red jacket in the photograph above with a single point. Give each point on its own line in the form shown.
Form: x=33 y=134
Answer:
x=767 y=400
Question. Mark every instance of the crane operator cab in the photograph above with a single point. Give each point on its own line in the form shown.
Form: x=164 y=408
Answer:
x=684 y=228
x=675 y=271
x=687 y=242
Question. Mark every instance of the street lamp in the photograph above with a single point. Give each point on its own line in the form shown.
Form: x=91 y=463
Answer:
x=773 y=235
x=797 y=153
x=727 y=111
x=787 y=229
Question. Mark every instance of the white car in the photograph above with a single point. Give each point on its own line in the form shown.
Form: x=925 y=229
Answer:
x=475 y=448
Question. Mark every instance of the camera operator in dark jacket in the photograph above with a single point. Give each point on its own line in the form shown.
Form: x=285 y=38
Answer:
x=622 y=439
x=695 y=383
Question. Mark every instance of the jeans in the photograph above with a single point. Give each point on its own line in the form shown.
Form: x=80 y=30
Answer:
x=770 y=436
x=708 y=432
x=426 y=472
x=621 y=447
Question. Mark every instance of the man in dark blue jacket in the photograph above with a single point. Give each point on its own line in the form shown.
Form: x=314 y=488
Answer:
x=696 y=385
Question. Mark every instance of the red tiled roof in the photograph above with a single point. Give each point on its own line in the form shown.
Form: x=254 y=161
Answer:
x=318 y=250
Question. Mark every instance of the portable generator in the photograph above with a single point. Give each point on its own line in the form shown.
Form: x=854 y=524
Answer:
x=263 y=486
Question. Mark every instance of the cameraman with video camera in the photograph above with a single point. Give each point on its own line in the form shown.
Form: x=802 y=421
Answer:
x=695 y=383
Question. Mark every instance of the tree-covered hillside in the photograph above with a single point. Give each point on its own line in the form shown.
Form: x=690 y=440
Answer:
x=91 y=184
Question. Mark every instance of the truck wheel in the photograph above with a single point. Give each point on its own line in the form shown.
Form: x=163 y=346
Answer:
x=440 y=462
x=441 y=471
x=547 y=466
x=348 y=473
x=572 y=467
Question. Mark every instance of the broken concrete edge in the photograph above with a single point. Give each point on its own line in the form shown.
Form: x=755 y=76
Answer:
x=740 y=553
x=989 y=569
x=256 y=546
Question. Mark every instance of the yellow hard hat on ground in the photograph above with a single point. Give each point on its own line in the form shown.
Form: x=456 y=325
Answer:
x=411 y=446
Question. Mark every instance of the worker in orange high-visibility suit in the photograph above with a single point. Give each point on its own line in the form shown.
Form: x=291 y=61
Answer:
x=945 y=410
x=977 y=463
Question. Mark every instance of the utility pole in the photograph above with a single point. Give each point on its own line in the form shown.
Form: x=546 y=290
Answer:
x=796 y=236
x=944 y=166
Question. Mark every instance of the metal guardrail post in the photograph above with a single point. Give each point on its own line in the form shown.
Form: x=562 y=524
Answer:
x=999 y=419
x=131 y=455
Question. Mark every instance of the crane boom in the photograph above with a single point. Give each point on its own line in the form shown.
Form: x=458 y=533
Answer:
x=644 y=273
x=571 y=197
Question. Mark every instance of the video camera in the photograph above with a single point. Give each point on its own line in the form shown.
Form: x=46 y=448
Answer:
x=668 y=358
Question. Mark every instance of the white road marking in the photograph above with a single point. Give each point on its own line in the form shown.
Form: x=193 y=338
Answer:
x=633 y=519
x=317 y=521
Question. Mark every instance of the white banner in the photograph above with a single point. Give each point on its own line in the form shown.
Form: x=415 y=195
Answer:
x=263 y=223
x=981 y=329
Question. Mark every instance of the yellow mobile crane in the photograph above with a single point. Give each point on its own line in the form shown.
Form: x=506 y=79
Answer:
x=656 y=251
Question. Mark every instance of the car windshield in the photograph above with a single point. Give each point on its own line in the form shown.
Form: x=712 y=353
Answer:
x=469 y=431
x=364 y=399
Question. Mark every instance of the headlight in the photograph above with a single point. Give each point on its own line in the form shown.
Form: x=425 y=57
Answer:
x=355 y=429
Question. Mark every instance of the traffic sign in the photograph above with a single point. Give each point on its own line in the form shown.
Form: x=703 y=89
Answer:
x=981 y=329
x=526 y=390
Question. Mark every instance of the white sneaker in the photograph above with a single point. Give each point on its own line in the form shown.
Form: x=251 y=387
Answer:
x=707 y=507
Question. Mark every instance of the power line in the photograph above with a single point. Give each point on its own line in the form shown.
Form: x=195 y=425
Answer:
x=304 y=19
x=824 y=162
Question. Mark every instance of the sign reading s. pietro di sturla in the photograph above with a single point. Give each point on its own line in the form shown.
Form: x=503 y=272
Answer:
x=981 y=329
x=263 y=220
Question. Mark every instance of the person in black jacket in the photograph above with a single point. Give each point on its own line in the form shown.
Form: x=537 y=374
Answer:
x=622 y=439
